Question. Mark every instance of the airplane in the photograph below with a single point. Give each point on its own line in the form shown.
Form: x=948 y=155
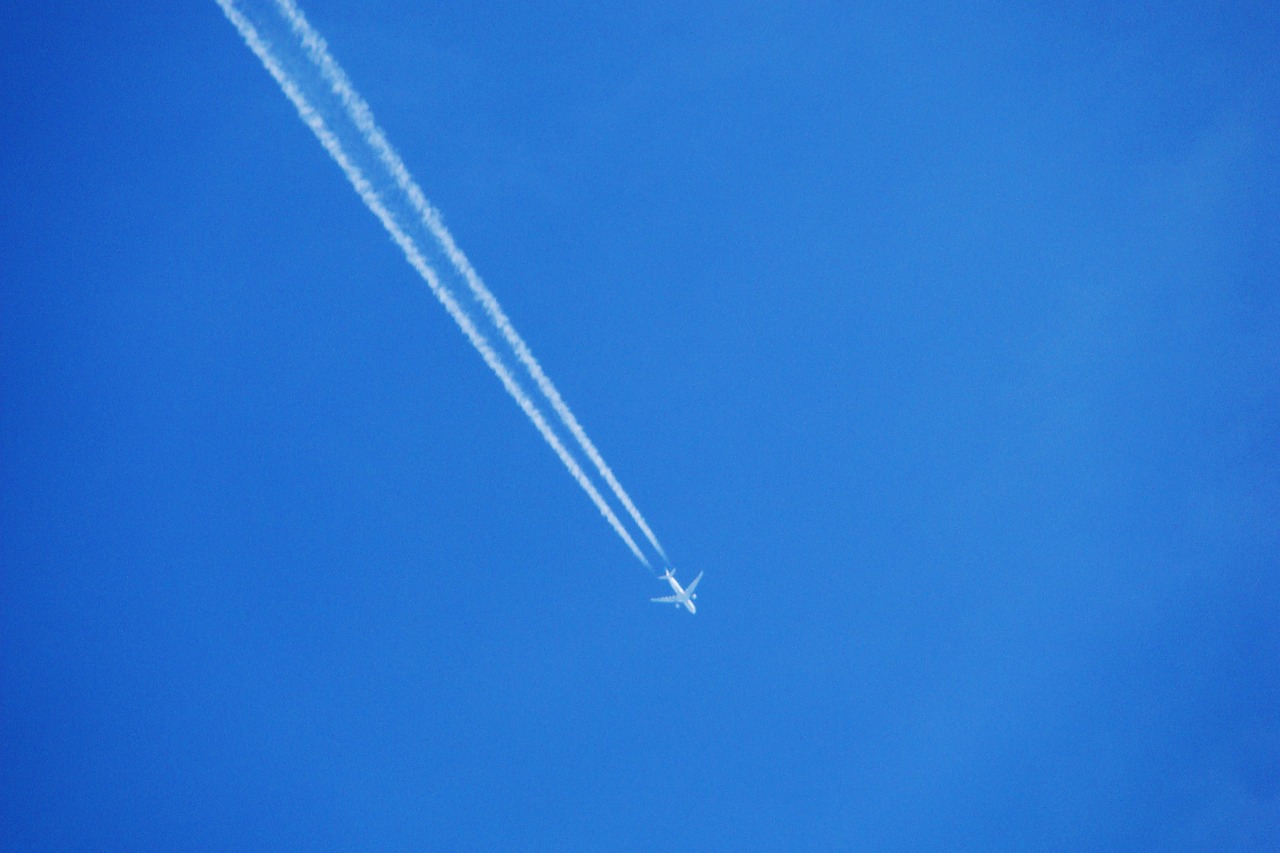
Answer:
x=682 y=596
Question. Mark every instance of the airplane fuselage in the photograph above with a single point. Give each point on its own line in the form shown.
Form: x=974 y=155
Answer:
x=685 y=599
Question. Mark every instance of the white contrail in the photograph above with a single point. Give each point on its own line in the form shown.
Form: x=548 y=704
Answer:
x=359 y=112
x=314 y=120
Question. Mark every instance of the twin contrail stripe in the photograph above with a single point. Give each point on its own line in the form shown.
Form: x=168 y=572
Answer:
x=358 y=110
x=314 y=120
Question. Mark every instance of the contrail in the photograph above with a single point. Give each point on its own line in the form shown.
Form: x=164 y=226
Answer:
x=358 y=110
x=314 y=120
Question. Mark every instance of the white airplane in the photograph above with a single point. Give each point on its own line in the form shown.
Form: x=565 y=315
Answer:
x=682 y=596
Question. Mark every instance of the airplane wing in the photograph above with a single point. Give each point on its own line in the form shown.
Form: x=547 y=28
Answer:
x=688 y=590
x=670 y=599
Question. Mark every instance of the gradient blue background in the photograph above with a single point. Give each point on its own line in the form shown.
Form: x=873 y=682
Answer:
x=946 y=342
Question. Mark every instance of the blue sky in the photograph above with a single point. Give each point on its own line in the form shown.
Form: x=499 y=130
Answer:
x=944 y=342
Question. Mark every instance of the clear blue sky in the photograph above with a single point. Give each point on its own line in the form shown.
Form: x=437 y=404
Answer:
x=947 y=343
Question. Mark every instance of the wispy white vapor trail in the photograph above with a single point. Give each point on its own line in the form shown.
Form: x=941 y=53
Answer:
x=359 y=112
x=314 y=120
